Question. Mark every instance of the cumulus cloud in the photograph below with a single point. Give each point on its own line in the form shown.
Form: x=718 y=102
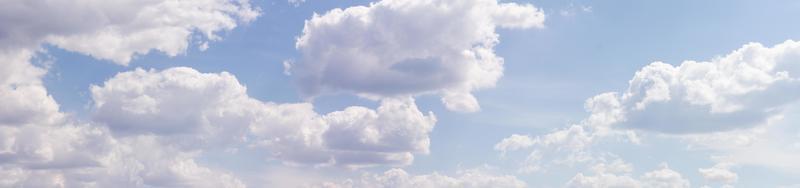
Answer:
x=178 y=113
x=664 y=177
x=513 y=143
x=23 y=98
x=403 y=48
x=725 y=105
x=190 y=108
x=86 y=156
x=739 y=90
x=43 y=147
x=720 y=172
x=119 y=30
x=568 y=146
x=401 y=179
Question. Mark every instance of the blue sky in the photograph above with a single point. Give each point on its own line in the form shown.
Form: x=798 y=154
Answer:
x=550 y=68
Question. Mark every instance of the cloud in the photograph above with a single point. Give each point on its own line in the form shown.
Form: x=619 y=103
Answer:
x=23 y=98
x=733 y=105
x=119 y=30
x=194 y=109
x=43 y=147
x=568 y=146
x=85 y=156
x=602 y=180
x=514 y=142
x=719 y=173
x=739 y=90
x=664 y=177
x=296 y=3
x=403 y=48
x=177 y=114
x=400 y=178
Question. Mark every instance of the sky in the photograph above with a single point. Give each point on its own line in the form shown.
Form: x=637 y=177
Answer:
x=399 y=93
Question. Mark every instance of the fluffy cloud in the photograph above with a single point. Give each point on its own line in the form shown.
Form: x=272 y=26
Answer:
x=119 y=30
x=23 y=98
x=190 y=108
x=514 y=142
x=729 y=104
x=43 y=147
x=719 y=173
x=85 y=156
x=400 y=48
x=567 y=146
x=603 y=180
x=739 y=90
x=664 y=177
x=401 y=179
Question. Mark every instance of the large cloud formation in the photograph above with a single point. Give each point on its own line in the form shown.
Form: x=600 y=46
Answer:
x=119 y=30
x=43 y=147
x=730 y=105
x=189 y=108
x=740 y=90
x=404 y=47
x=23 y=98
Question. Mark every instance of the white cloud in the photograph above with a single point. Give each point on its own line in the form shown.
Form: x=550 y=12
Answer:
x=190 y=108
x=296 y=3
x=772 y=145
x=401 y=179
x=727 y=104
x=739 y=90
x=86 y=155
x=400 y=47
x=513 y=143
x=720 y=172
x=616 y=167
x=119 y=30
x=43 y=147
x=23 y=98
x=603 y=180
x=664 y=177
x=565 y=146
x=572 y=10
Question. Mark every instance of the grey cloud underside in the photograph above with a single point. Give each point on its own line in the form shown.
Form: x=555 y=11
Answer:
x=691 y=119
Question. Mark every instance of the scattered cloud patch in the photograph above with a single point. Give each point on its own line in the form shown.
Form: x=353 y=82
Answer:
x=402 y=179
